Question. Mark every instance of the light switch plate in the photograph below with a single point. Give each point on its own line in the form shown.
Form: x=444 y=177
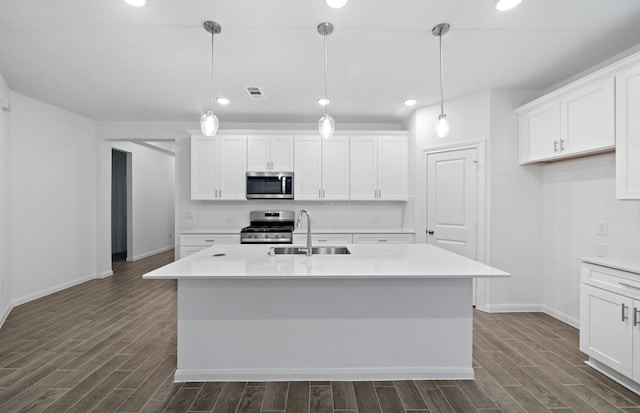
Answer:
x=603 y=228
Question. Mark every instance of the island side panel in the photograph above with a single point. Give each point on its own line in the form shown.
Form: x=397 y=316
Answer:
x=324 y=329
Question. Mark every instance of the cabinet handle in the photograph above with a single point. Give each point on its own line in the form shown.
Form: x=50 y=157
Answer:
x=323 y=194
x=636 y=317
x=383 y=240
x=562 y=141
x=630 y=286
x=624 y=315
x=209 y=240
x=555 y=146
x=430 y=232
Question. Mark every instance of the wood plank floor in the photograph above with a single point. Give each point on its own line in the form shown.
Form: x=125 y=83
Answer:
x=110 y=346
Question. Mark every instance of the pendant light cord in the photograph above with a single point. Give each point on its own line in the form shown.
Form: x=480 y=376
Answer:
x=441 y=82
x=325 y=71
x=211 y=73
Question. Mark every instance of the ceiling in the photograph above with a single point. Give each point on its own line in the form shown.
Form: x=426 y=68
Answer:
x=109 y=61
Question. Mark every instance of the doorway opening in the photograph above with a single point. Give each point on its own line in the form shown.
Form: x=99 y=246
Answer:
x=121 y=205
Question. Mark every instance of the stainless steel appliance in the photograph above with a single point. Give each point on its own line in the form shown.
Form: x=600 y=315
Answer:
x=269 y=227
x=269 y=185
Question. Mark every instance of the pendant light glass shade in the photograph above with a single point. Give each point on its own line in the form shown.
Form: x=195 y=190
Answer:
x=209 y=122
x=137 y=3
x=326 y=126
x=441 y=124
x=504 y=5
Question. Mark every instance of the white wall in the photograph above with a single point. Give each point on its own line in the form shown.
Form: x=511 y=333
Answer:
x=515 y=213
x=513 y=219
x=5 y=196
x=153 y=199
x=577 y=195
x=53 y=219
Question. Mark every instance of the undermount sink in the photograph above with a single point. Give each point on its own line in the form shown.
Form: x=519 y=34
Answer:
x=301 y=250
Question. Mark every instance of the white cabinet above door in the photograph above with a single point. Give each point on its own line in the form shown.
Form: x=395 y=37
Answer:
x=270 y=153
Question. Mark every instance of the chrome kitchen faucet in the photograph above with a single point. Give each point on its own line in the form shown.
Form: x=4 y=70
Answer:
x=309 y=249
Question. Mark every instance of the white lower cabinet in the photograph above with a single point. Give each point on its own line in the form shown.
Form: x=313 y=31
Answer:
x=610 y=321
x=383 y=238
x=192 y=243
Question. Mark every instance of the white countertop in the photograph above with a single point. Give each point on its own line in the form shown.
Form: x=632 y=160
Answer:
x=365 y=261
x=631 y=264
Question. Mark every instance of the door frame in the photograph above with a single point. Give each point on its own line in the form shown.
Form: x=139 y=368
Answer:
x=479 y=146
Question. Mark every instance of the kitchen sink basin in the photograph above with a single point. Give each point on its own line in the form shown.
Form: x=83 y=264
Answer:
x=302 y=250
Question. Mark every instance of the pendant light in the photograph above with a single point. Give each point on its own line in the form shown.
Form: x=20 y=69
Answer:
x=336 y=4
x=209 y=122
x=441 y=125
x=326 y=124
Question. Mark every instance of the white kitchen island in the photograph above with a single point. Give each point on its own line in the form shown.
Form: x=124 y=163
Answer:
x=383 y=312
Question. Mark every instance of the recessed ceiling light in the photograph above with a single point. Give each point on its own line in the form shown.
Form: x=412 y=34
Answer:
x=222 y=101
x=336 y=4
x=323 y=101
x=137 y=3
x=410 y=102
x=503 y=5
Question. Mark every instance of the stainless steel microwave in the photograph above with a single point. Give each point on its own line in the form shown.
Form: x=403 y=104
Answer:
x=269 y=185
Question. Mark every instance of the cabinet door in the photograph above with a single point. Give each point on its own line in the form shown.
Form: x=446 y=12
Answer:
x=203 y=168
x=628 y=133
x=282 y=153
x=606 y=328
x=258 y=153
x=232 y=167
x=363 y=168
x=636 y=340
x=540 y=132
x=588 y=117
x=307 y=171
x=383 y=238
x=335 y=168
x=392 y=168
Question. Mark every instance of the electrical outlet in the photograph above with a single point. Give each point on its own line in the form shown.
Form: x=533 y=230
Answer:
x=188 y=216
x=601 y=250
x=603 y=228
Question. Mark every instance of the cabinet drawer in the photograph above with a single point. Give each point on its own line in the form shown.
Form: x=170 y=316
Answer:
x=383 y=238
x=610 y=279
x=209 y=239
x=323 y=239
x=190 y=250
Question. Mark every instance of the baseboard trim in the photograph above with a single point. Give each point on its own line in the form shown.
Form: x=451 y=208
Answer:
x=614 y=375
x=5 y=314
x=454 y=373
x=572 y=321
x=148 y=254
x=105 y=274
x=55 y=289
x=512 y=308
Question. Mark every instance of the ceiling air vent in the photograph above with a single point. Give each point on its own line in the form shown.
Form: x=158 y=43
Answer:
x=255 y=92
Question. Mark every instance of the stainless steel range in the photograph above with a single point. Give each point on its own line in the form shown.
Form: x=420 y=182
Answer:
x=269 y=227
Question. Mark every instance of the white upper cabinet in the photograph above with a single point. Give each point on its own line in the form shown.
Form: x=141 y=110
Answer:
x=378 y=168
x=308 y=168
x=322 y=168
x=540 y=132
x=628 y=132
x=578 y=119
x=218 y=167
x=270 y=153
x=588 y=117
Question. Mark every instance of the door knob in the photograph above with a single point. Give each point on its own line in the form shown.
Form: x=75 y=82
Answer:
x=429 y=232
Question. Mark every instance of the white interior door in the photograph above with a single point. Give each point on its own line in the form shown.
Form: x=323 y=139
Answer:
x=452 y=200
